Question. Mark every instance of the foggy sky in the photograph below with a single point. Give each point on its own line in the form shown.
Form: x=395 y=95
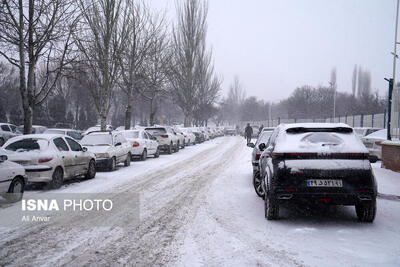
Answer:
x=276 y=46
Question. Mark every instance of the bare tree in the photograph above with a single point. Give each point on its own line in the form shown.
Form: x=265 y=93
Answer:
x=100 y=44
x=236 y=94
x=188 y=36
x=138 y=37
x=34 y=32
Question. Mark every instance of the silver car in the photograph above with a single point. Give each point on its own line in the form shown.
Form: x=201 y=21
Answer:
x=255 y=156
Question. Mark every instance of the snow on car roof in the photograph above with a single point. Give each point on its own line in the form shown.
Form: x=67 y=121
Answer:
x=344 y=142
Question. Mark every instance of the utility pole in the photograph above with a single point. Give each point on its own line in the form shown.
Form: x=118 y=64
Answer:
x=334 y=99
x=392 y=82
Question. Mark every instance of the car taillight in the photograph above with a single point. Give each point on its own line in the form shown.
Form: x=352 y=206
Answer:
x=135 y=144
x=164 y=135
x=258 y=156
x=43 y=160
x=378 y=143
x=185 y=136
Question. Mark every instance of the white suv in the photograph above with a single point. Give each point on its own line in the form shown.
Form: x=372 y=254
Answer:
x=166 y=137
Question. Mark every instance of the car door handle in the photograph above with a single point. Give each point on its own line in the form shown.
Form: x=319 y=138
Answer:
x=63 y=157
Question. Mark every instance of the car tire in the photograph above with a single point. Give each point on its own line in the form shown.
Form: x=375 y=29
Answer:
x=169 y=150
x=127 y=161
x=16 y=190
x=157 y=154
x=177 y=147
x=271 y=206
x=57 y=179
x=366 y=211
x=91 y=172
x=143 y=157
x=112 y=165
x=2 y=141
x=258 y=187
x=183 y=145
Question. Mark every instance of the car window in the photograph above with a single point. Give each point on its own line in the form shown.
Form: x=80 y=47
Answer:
x=13 y=128
x=5 y=128
x=60 y=144
x=75 y=135
x=150 y=136
x=156 y=131
x=73 y=145
x=144 y=134
x=131 y=134
x=28 y=145
x=263 y=138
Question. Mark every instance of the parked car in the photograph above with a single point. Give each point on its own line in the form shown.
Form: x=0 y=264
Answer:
x=255 y=157
x=268 y=129
x=191 y=137
x=12 y=179
x=230 y=131
x=181 y=138
x=188 y=137
x=70 y=132
x=36 y=129
x=323 y=163
x=142 y=144
x=373 y=142
x=110 y=149
x=256 y=131
x=51 y=158
x=363 y=131
x=166 y=138
x=7 y=131
x=97 y=128
x=199 y=135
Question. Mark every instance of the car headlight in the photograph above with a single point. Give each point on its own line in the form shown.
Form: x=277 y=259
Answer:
x=102 y=155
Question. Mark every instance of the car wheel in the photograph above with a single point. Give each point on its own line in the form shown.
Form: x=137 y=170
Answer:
x=144 y=155
x=1 y=141
x=258 y=185
x=91 y=173
x=113 y=164
x=57 y=178
x=183 y=145
x=16 y=190
x=177 y=147
x=127 y=161
x=157 y=154
x=271 y=206
x=366 y=211
x=169 y=150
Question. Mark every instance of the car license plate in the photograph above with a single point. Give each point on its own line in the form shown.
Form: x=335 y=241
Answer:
x=324 y=183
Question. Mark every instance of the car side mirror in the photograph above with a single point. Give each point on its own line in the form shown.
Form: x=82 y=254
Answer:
x=3 y=158
x=84 y=149
x=250 y=145
x=261 y=147
x=118 y=144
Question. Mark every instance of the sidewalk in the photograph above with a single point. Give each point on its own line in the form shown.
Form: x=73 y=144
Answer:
x=388 y=181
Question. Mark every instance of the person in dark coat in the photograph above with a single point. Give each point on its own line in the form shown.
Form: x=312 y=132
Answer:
x=248 y=132
x=260 y=129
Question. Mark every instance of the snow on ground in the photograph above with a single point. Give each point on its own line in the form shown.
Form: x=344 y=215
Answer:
x=198 y=207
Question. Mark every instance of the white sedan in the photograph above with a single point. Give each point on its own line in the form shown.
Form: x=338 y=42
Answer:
x=51 y=158
x=110 y=149
x=12 y=179
x=143 y=144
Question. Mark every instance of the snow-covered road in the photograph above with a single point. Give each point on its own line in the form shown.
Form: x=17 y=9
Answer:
x=198 y=207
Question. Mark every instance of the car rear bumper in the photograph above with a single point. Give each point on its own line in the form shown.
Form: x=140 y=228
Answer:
x=39 y=175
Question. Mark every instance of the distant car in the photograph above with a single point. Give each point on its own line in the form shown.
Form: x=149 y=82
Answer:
x=70 y=132
x=364 y=131
x=12 y=179
x=319 y=163
x=256 y=130
x=7 y=131
x=268 y=129
x=230 y=131
x=36 y=129
x=64 y=125
x=181 y=138
x=166 y=138
x=255 y=156
x=97 y=128
x=199 y=135
x=110 y=149
x=373 y=142
x=50 y=158
x=142 y=144
x=190 y=137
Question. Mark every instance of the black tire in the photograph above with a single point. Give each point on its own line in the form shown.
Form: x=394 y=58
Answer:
x=271 y=205
x=91 y=173
x=157 y=154
x=258 y=187
x=16 y=189
x=366 y=212
x=183 y=146
x=2 y=141
x=169 y=150
x=127 y=161
x=112 y=165
x=143 y=157
x=177 y=147
x=57 y=179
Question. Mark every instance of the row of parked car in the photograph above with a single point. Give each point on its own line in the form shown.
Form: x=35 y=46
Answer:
x=60 y=154
x=325 y=163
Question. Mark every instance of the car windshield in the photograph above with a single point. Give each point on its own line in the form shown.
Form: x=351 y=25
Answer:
x=28 y=145
x=156 y=131
x=323 y=138
x=53 y=131
x=131 y=134
x=97 y=140
x=264 y=137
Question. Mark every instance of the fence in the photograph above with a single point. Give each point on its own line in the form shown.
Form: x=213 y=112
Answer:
x=372 y=120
